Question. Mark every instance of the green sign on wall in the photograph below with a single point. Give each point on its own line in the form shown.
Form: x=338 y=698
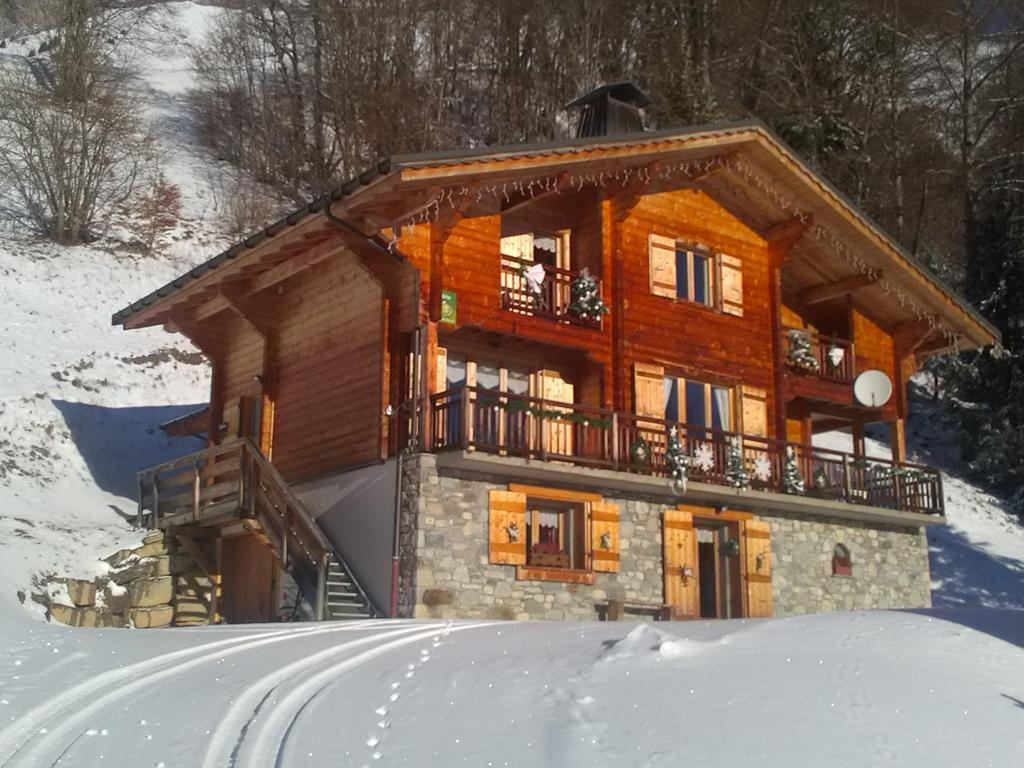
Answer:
x=448 y=307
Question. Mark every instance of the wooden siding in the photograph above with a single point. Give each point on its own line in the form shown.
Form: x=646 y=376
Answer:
x=328 y=400
x=684 y=337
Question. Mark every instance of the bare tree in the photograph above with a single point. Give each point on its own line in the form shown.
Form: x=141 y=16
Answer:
x=71 y=143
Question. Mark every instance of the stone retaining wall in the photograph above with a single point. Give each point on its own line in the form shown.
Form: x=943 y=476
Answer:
x=445 y=570
x=153 y=585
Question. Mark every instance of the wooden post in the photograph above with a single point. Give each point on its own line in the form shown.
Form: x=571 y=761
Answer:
x=466 y=438
x=139 y=516
x=195 y=494
x=847 y=484
x=156 y=503
x=898 y=440
x=615 y=439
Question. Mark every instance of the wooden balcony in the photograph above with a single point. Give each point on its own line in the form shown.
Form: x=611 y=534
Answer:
x=484 y=421
x=550 y=300
x=815 y=355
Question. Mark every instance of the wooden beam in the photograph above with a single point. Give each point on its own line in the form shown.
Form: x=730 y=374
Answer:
x=625 y=199
x=842 y=287
x=908 y=336
x=197 y=554
x=253 y=311
x=298 y=264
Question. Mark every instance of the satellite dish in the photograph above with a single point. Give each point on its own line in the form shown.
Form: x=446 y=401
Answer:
x=873 y=389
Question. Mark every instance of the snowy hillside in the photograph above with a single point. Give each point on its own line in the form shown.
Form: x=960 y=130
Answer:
x=870 y=688
x=80 y=401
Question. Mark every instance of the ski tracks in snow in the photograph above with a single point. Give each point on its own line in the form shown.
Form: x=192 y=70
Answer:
x=45 y=733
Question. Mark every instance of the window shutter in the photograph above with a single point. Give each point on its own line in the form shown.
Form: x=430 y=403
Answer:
x=758 y=546
x=604 y=536
x=441 y=371
x=755 y=410
x=662 y=253
x=231 y=416
x=507 y=528
x=649 y=390
x=731 y=284
x=680 y=565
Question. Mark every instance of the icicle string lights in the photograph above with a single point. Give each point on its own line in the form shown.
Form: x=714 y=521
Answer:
x=691 y=169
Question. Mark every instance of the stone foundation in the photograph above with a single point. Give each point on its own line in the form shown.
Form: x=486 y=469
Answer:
x=445 y=570
x=153 y=585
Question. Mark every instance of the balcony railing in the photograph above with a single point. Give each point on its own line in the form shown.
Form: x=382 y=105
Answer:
x=549 y=298
x=815 y=354
x=529 y=427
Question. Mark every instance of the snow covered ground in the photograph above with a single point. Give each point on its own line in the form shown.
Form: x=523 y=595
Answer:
x=869 y=688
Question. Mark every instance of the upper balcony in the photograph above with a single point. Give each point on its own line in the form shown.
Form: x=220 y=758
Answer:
x=770 y=473
x=828 y=358
x=534 y=289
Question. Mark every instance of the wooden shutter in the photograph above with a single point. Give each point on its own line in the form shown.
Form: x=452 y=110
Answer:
x=730 y=280
x=441 y=371
x=755 y=410
x=680 y=564
x=231 y=417
x=604 y=536
x=507 y=528
x=758 y=563
x=558 y=434
x=649 y=390
x=662 y=255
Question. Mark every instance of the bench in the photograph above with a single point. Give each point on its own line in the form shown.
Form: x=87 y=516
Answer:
x=616 y=610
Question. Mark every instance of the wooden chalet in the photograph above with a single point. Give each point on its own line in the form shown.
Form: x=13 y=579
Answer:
x=579 y=379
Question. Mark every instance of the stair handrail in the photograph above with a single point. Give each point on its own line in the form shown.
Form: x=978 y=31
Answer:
x=308 y=521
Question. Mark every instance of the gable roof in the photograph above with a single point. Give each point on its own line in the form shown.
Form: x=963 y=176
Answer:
x=765 y=180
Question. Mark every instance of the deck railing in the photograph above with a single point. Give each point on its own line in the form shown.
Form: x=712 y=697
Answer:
x=529 y=427
x=550 y=299
x=234 y=481
x=827 y=357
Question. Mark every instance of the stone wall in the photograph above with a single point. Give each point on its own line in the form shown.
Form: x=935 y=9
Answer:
x=153 y=585
x=445 y=569
x=890 y=566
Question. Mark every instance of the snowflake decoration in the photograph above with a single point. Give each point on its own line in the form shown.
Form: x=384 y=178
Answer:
x=704 y=457
x=763 y=469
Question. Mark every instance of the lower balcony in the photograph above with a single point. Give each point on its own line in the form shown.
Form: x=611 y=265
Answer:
x=765 y=470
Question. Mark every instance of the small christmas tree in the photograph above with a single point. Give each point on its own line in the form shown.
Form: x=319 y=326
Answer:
x=736 y=473
x=676 y=461
x=792 y=480
x=800 y=354
x=585 y=297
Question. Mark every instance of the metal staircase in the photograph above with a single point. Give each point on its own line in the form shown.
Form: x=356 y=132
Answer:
x=344 y=599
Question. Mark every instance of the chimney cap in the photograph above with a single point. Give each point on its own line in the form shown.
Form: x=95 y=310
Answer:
x=624 y=91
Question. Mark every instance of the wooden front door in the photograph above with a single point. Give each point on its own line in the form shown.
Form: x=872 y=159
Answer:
x=249 y=580
x=716 y=565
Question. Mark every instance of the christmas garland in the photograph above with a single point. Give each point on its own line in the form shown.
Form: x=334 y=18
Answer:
x=520 y=406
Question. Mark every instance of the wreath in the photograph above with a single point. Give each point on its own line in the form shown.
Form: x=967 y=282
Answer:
x=640 y=452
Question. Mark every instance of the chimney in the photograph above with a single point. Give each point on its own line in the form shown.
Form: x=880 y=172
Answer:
x=610 y=110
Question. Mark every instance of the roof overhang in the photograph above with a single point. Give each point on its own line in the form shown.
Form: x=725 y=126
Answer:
x=746 y=168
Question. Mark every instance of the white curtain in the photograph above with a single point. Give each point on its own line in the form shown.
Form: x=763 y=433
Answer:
x=721 y=398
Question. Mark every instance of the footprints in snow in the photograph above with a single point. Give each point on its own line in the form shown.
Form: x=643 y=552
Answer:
x=374 y=740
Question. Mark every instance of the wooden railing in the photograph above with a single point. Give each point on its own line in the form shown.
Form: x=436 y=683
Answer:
x=829 y=357
x=552 y=298
x=235 y=481
x=528 y=427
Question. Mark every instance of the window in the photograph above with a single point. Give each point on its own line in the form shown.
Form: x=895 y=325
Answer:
x=693 y=273
x=555 y=534
x=698 y=403
x=693 y=277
